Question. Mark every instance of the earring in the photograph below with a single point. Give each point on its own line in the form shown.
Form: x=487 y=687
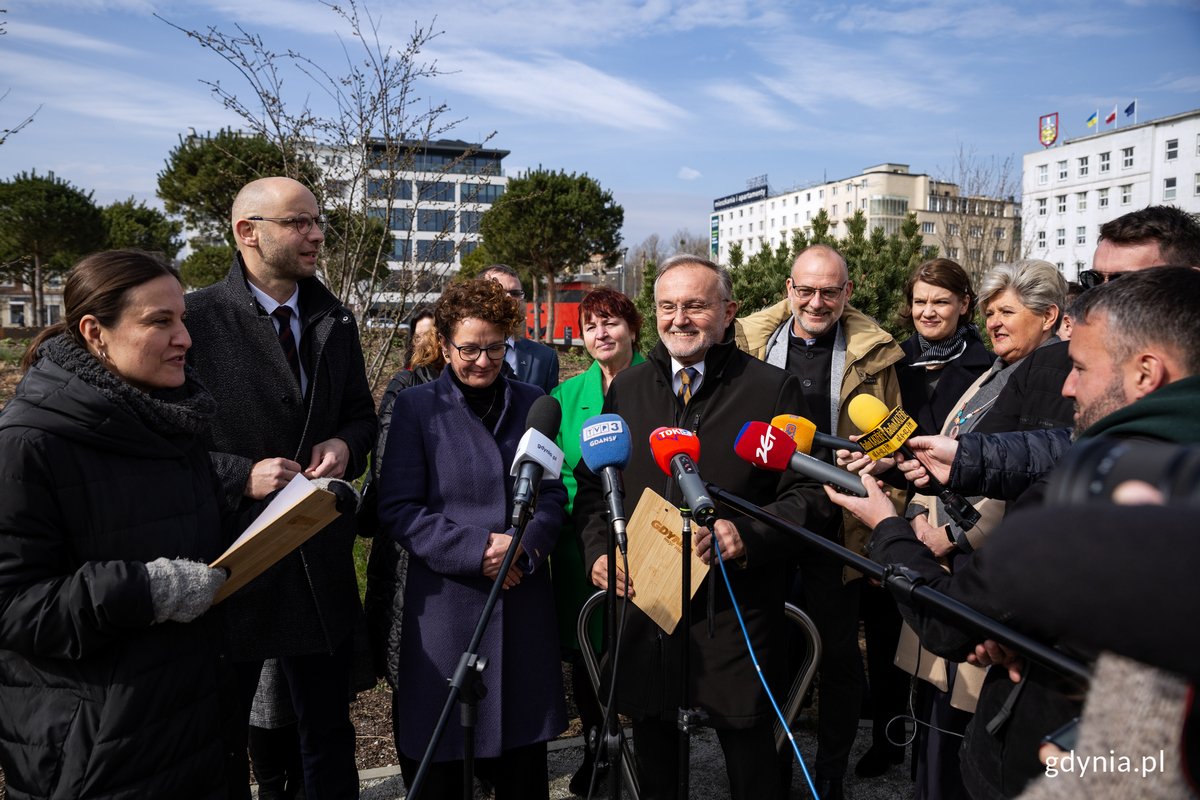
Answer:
x=103 y=355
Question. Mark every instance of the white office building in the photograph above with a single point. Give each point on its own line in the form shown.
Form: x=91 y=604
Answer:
x=1070 y=190
x=975 y=231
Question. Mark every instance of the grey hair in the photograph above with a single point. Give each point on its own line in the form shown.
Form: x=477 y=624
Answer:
x=1038 y=285
x=684 y=259
x=503 y=269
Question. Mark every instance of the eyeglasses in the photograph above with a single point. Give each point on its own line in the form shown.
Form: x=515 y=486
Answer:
x=692 y=308
x=828 y=293
x=517 y=293
x=302 y=222
x=470 y=352
x=1091 y=278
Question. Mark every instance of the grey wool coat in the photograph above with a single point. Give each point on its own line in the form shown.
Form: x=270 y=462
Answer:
x=308 y=602
x=450 y=489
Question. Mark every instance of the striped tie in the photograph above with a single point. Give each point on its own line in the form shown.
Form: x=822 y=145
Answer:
x=286 y=340
x=686 y=376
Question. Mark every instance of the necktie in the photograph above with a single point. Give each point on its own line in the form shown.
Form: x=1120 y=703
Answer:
x=686 y=376
x=286 y=340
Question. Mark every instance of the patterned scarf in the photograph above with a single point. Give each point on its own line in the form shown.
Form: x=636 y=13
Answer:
x=934 y=354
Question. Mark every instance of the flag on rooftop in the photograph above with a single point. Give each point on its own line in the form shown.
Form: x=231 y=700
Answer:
x=1129 y=109
x=1112 y=117
x=1091 y=121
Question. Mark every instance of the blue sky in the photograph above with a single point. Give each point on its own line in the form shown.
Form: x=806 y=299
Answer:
x=667 y=103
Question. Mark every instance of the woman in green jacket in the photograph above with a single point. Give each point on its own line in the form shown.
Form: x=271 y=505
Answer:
x=611 y=325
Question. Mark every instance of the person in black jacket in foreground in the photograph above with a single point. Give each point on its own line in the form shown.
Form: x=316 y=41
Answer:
x=112 y=678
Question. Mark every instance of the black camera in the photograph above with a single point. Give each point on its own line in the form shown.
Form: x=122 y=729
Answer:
x=1094 y=467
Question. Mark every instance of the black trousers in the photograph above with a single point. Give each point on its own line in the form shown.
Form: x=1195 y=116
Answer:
x=833 y=607
x=754 y=769
x=517 y=774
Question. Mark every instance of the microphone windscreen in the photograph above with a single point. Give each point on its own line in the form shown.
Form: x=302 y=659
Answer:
x=545 y=416
x=764 y=446
x=798 y=428
x=605 y=442
x=666 y=443
x=866 y=412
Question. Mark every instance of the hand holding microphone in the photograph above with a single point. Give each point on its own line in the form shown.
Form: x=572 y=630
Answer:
x=885 y=432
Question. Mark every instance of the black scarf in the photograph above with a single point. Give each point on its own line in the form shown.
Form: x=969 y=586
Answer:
x=935 y=354
x=186 y=410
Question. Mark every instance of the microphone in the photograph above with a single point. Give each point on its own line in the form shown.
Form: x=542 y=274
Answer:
x=885 y=432
x=537 y=455
x=768 y=447
x=675 y=451
x=806 y=436
x=606 y=444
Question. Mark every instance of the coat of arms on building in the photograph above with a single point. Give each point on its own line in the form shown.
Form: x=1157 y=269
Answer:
x=1048 y=129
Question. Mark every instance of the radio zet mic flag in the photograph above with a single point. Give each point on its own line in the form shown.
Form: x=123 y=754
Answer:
x=1111 y=117
x=1091 y=121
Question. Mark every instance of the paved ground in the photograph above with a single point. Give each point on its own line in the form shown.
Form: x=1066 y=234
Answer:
x=707 y=777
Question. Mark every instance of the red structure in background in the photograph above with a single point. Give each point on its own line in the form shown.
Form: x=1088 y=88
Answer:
x=566 y=314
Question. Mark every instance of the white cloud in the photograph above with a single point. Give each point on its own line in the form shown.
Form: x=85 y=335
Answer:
x=1184 y=83
x=747 y=106
x=688 y=174
x=61 y=38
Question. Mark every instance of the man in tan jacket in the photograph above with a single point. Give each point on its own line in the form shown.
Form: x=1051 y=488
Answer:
x=837 y=352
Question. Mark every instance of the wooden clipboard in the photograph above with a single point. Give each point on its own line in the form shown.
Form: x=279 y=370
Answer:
x=298 y=512
x=655 y=533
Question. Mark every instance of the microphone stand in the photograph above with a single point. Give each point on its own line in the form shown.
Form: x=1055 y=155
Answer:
x=612 y=744
x=466 y=685
x=907 y=587
x=686 y=716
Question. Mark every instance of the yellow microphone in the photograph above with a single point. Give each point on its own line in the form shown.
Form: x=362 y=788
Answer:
x=806 y=436
x=885 y=432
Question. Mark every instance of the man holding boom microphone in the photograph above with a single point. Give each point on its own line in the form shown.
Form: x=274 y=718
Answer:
x=838 y=353
x=697 y=379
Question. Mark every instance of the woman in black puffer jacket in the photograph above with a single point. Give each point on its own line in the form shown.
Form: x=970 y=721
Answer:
x=112 y=683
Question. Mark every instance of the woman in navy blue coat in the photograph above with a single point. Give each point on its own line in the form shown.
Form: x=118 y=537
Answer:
x=445 y=494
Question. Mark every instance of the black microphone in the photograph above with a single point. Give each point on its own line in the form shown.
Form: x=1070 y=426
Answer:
x=537 y=455
x=675 y=451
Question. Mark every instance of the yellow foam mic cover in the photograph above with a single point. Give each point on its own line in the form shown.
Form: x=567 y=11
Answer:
x=800 y=429
x=866 y=412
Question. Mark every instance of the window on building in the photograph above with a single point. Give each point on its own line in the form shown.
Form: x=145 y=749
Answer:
x=976 y=231
x=1081 y=235
x=820 y=194
x=975 y=254
x=1172 y=149
x=1000 y=233
x=1127 y=194
x=1103 y=198
x=928 y=227
x=1126 y=157
x=1062 y=170
x=440 y=191
x=1060 y=237
x=1043 y=174
x=401 y=219
x=435 y=221
x=55 y=312
x=1105 y=162
x=16 y=315
x=1061 y=203
x=1041 y=240
x=833 y=191
x=997 y=256
x=1083 y=166
x=435 y=250
x=1197 y=190
x=468 y=221
x=1081 y=201
x=377 y=188
x=952 y=228
x=401 y=249
x=848 y=207
x=1041 y=206
x=1168 y=188
x=808 y=197
x=481 y=192
x=951 y=252
x=1058 y=264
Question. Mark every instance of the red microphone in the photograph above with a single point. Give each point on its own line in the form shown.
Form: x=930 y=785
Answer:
x=676 y=451
x=768 y=447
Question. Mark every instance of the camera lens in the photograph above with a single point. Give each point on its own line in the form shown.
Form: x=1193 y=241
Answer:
x=1094 y=467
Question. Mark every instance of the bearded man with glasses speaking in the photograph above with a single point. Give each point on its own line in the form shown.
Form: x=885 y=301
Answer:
x=282 y=357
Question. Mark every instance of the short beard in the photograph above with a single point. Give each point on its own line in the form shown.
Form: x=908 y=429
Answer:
x=1113 y=399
